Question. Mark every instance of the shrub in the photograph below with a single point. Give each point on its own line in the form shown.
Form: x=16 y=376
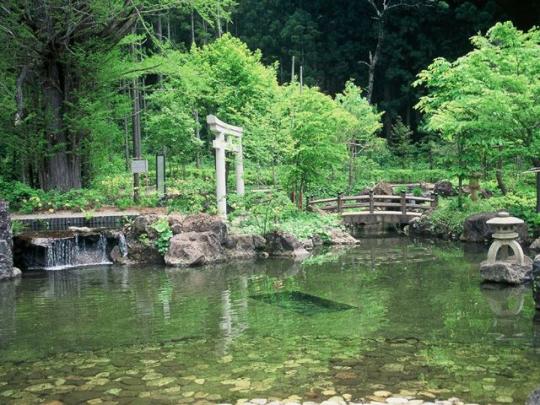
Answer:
x=265 y=212
x=448 y=218
x=161 y=226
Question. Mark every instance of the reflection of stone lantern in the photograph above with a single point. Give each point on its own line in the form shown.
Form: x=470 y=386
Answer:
x=514 y=269
x=505 y=236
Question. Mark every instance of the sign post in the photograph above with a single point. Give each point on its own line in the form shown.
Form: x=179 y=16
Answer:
x=228 y=138
x=139 y=166
x=160 y=175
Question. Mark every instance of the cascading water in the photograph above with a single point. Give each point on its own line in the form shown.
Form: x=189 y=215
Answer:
x=122 y=244
x=72 y=251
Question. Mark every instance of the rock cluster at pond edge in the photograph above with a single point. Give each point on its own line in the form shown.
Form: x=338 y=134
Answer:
x=204 y=239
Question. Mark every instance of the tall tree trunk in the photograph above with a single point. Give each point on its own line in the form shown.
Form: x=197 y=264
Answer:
x=387 y=118
x=219 y=28
x=169 y=26
x=136 y=125
x=352 y=156
x=62 y=169
x=159 y=29
x=499 y=176
x=198 y=135
x=136 y=137
x=374 y=59
x=193 y=28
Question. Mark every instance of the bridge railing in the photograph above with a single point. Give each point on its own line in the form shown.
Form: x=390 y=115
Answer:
x=372 y=202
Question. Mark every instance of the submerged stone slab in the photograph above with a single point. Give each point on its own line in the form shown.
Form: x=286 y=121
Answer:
x=508 y=272
x=302 y=303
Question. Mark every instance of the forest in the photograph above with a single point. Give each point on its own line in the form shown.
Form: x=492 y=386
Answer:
x=334 y=97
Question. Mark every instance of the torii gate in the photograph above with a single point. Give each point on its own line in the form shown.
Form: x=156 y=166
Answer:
x=228 y=138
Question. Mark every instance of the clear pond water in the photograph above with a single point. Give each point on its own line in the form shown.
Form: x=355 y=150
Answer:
x=387 y=315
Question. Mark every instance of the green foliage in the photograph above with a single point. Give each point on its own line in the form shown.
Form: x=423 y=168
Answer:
x=486 y=103
x=161 y=226
x=17 y=227
x=144 y=239
x=448 y=218
x=306 y=224
x=314 y=126
x=114 y=191
x=193 y=192
x=368 y=120
x=261 y=213
x=401 y=143
x=417 y=192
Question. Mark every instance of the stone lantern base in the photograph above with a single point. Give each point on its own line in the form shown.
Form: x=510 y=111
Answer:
x=506 y=271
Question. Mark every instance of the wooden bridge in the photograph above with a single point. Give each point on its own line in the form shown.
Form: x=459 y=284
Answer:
x=373 y=209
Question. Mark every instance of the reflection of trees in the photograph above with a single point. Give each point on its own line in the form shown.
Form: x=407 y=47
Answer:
x=386 y=279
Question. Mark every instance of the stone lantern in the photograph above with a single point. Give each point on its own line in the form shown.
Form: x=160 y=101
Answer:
x=505 y=237
x=515 y=269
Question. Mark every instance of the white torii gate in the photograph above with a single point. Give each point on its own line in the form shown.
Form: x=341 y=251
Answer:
x=228 y=138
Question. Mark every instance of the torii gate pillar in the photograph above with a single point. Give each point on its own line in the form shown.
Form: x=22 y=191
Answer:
x=228 y=138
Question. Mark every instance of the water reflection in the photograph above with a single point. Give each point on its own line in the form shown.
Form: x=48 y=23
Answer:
x=8 y=311
x=506 y=303
x=398 y=285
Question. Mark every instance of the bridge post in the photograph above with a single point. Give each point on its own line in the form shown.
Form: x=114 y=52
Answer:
x=339 y=203
x=371 y=202
x=403 y=203
x=308 y=202
x=435 y=200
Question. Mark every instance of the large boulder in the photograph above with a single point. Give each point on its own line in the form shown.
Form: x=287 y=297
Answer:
x=506 y=271
x=194 y=249
x=476 y=229
x=139 y=251
x=199 y=223
x=535 y=245
x=282 y=244
x=339 y=237
x=444 y=188
x=244 y=247
x=175 y=222
x=143 y=225
x=383 y=188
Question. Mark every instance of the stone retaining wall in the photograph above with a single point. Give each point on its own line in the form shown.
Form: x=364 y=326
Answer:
x=6 y=243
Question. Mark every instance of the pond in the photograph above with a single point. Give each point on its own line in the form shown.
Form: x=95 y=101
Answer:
x=391 y=314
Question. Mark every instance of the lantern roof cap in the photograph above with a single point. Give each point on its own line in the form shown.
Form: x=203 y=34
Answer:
x=504 y=218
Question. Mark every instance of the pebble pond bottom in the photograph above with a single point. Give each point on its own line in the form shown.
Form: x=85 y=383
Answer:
x=387 y=319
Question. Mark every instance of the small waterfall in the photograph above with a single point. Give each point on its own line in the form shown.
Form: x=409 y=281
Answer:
x=122 y=244
x=73 y=251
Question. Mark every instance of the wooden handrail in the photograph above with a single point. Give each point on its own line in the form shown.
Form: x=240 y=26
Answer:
x=372 y=202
